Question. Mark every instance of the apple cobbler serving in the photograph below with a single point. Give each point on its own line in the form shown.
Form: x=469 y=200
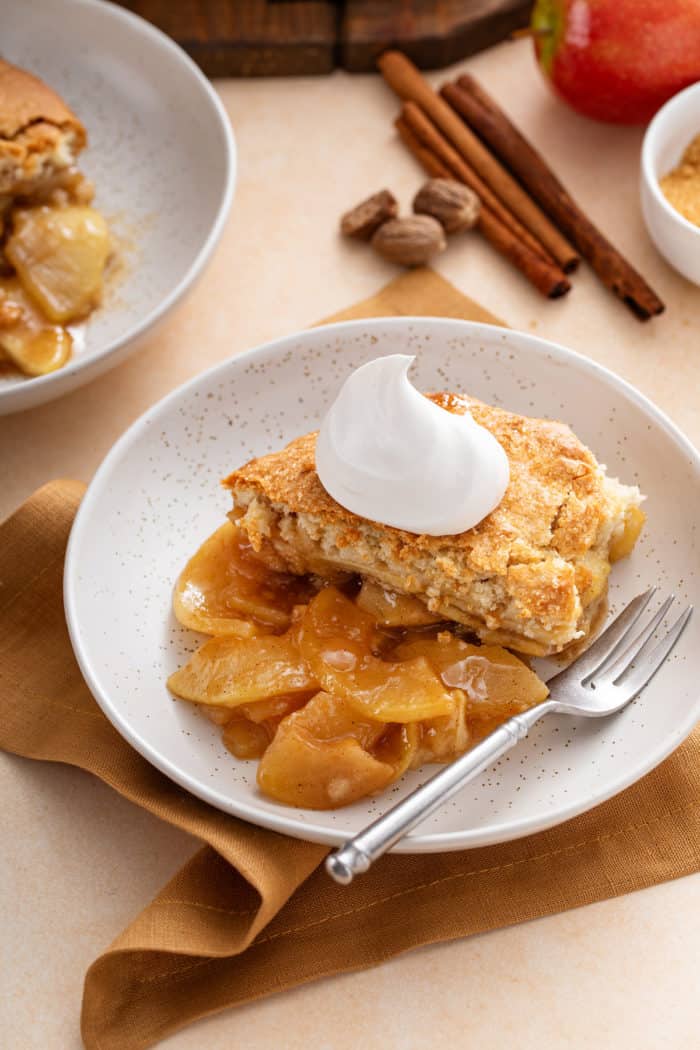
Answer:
x=345 y=651
x=530 y=575
x=54 y=245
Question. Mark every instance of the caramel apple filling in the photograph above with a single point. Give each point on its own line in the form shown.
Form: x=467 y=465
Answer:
x=337 y=689
x=59 y=255
x=27 y=340
x=54 y=248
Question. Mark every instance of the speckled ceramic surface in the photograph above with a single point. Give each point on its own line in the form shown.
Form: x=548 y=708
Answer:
x=157 y=496
x=160 y=152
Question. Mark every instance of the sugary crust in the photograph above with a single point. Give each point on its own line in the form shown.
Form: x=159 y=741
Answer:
x=554 y=499
x=39 y=134
x=530 y=569
x=24 y=100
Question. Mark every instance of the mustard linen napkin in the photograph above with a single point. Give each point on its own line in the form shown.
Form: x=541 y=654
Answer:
x=252 y=912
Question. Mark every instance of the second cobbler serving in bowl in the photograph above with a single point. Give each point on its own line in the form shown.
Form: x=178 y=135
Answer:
x=83 y=282
x=54 y=245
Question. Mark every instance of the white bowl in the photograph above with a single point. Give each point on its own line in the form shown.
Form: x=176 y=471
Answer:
x=161 y=154
x=671 y=130
x=157 y=496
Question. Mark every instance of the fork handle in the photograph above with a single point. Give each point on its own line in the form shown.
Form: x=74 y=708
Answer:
x=358 y=854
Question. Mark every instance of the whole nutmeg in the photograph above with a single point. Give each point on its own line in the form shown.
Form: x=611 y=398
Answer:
x=411 y=241
x=454 y=205
x=365 y=219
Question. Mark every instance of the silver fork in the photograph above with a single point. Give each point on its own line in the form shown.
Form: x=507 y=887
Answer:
x=601 y=681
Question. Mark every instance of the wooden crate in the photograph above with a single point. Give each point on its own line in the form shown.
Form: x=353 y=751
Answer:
x=248 y=38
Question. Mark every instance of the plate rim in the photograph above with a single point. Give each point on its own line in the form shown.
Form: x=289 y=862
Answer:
x=34 y=391
x=436 y=842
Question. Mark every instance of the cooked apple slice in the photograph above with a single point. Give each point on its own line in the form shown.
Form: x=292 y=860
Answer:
x=300 y=771
x=328 y=717
x=224 y=581
x=443 y=739
x=59 y=255
x=340 y=629
x=38 y=354
x=494 y=682
x=228 y=672
x=246 y=739
x=33 y=345
x=398 y=746
x=335 y=639
x=251 y=727
x=319 y=757
x=218 y=715
x=391 y=609
x=624 y=539
x=248 y=729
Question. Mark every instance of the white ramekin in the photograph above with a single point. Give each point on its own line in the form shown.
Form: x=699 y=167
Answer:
x=673 y=127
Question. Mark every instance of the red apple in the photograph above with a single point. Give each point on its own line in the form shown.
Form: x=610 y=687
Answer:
x=618 y=60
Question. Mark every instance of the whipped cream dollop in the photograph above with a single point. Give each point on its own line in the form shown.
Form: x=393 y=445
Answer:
x=387 y=453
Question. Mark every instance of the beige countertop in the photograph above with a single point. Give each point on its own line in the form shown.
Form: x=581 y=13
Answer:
x=77 y=862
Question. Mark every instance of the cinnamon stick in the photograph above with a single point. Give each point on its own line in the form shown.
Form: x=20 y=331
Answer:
x=409 y=84
x=547 y=277
x=432 y=164
x=544 y=275
x=437 y=144
x=487 y=118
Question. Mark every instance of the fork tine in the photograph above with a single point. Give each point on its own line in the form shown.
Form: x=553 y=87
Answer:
x=634 y=681
x=613 y=635
x=612 y=668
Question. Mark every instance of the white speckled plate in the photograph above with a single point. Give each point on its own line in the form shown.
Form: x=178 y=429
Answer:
x=157 y=496
x=160 y=152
